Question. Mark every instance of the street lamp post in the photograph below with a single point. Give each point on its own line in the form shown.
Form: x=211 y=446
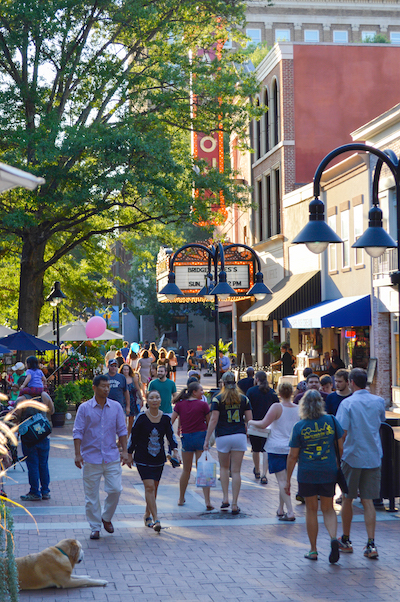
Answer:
x=216 y=287
x=56 y=297
x=375 y=240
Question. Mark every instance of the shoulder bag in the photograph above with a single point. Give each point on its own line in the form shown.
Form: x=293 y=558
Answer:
x=34 y=429
x=340 y=478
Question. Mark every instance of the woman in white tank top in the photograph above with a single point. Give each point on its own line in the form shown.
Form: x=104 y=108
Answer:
x=281 y=417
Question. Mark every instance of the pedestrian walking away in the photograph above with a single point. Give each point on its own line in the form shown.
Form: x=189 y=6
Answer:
x=261 y=398
x=281 y=417
x=312 y=445
x=146 y=442
x=230 y=412
x=194 y=415
x=36 y=456
x=361 y=415
x=99 y=421
x=244 y=384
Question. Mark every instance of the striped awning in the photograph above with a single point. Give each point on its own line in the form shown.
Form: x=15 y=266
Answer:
x=292 y=294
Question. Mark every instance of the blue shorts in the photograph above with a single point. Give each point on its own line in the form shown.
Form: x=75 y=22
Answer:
x=276 y=462
x=192 y=442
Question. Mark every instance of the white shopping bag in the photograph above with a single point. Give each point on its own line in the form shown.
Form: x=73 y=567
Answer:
x=206 y=471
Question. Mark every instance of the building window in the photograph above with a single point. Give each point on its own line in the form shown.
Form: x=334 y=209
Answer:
x=395 y=37
x=340 y=36
x=282 y=35
x=332 y=251
x=260 y=210
x=358 y=230
x=255 y=37
x=266 y=122
x=344 y=226
x=268 y=203
x=258 y=134
x=275 y=102
x=368 y=36
x=277 y=202
x=311 y=35
x=228 y=44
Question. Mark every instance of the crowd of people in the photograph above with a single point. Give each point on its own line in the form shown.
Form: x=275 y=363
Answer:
x=325 y=427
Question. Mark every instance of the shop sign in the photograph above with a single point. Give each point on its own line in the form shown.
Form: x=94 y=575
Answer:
x=350 y=334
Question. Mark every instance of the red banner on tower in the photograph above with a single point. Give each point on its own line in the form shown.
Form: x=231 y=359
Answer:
x=210 y=147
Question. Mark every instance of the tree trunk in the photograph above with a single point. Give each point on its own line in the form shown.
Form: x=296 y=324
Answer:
x=31 y=284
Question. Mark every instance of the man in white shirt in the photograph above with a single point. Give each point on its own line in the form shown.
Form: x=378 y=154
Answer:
x=361 y=415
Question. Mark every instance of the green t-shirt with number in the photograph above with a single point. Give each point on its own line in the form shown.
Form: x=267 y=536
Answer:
x=231 y=417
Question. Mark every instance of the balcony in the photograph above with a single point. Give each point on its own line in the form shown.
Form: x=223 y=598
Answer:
x=383 y=266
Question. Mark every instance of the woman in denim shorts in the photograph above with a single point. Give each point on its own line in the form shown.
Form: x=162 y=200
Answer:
x=230 y=412
x=194 y=413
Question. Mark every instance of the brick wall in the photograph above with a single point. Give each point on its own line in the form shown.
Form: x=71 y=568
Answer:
x=382 y=384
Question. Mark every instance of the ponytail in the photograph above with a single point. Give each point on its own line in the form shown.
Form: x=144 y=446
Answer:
x=263 y=386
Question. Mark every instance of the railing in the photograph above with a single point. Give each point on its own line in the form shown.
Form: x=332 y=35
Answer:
x=384 y=265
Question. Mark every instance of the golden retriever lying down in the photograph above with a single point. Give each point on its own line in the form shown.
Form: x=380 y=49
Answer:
x=53 y=567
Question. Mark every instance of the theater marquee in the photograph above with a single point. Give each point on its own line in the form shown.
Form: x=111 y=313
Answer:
x=191 y=269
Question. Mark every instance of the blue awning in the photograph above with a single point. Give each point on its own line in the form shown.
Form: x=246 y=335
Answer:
x=340 y=313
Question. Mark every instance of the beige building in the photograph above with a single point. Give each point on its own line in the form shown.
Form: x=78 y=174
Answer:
x=341 y=22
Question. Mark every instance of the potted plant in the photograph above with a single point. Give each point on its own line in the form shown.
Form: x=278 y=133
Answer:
x=273 y=348
x=60 y=407
x=72 y=393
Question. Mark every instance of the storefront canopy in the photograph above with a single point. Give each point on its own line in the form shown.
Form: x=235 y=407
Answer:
x=344 y=312
x=291 y=294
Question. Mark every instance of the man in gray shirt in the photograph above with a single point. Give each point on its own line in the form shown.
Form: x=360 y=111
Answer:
x=118 y=387
x=361 y=415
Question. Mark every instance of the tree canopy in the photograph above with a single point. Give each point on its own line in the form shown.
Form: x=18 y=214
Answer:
x=95 y=97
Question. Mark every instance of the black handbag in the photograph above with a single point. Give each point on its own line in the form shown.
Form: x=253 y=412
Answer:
x=34 y=429
x=340 y=478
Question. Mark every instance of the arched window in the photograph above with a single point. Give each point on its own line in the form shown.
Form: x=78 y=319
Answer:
x=258 y=135
x=266 y=122
x=275 y=99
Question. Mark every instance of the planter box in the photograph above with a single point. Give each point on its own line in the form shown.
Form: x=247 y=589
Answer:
x=58 y=419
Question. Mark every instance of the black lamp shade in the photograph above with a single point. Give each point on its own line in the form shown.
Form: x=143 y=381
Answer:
x=223 y=290
x=259 y=290
x=375 y=239
x=317 y=230
x=171 y=290
x=56 y=295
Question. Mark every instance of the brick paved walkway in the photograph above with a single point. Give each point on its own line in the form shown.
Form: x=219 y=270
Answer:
x=199 y=556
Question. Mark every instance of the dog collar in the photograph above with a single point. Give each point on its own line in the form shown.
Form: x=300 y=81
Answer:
x=62 y=551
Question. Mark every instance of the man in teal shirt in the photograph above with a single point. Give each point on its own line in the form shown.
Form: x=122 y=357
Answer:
x=166 y=389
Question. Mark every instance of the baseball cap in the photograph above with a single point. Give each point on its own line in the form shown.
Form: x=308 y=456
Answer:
x=229 y=380
x=112 y=362
x=19 y=366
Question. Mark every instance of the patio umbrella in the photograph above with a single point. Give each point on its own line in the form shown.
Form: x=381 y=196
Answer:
x=10 y=177
x=4 y=349
x=5 y=331
x=76 y=331
x=22 y=341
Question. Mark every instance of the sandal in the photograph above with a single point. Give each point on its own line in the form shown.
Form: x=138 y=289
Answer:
x=148 y=522
x=181 y=503
x=157 y=526
x=311 y=555
x=279 y=514
x=209 y=508
x=264 y=481
x=257 y=475
x=225 y=505
x=237 y=511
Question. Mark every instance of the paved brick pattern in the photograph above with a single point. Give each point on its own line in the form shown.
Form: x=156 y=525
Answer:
x=198 y=557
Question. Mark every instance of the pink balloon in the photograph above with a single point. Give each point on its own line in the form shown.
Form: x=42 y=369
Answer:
x=95 y=327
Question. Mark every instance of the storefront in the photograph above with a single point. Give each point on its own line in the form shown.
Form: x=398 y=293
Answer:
x=342 y=324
